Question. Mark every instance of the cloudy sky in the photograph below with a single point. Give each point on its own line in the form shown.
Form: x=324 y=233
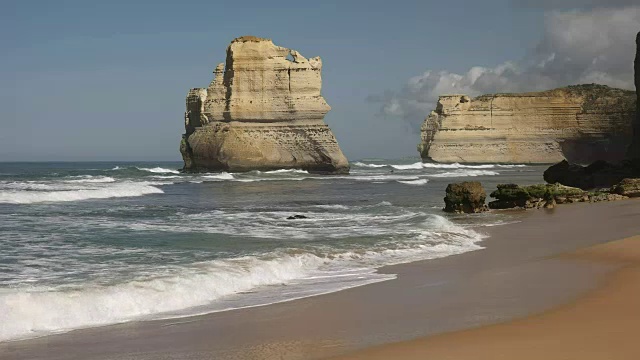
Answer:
x=106 y=80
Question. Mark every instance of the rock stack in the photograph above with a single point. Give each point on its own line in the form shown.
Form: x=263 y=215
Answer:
x=262 y=111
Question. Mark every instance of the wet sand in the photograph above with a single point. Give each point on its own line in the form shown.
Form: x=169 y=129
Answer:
x=520 y=272
x=603 y=324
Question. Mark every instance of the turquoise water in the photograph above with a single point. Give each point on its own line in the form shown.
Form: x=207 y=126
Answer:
x=89 y=244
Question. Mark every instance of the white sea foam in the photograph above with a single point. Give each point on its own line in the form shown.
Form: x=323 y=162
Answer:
x=415 y=182
x=415 y=166
x=287 y=171
x=27 y=311
x=220 y=176
x=333 y=206
x=91 y=179
x=465 y=173
x=159 y=170
x=421 y=165
x=111 y=190
x=361 y=164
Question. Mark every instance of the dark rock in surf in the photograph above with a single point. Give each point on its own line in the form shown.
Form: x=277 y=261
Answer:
x=466 y=197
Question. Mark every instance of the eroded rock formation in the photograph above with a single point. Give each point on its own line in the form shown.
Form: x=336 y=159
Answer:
x=634 y=148
x=262 y=111
x=580 y=123
x=602 y=173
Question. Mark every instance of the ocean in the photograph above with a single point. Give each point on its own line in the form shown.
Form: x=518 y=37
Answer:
x=86 y=244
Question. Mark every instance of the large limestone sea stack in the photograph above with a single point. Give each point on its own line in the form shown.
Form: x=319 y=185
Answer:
x=262 y=111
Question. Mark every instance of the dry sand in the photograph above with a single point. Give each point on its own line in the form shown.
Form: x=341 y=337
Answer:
x=603 y=324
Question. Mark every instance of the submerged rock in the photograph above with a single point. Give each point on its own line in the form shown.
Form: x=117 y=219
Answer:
x=262 y=111
x=466 y=197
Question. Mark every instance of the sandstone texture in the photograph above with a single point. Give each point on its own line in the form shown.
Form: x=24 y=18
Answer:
x=262 y=111
x=466 y=197
x=579 y=123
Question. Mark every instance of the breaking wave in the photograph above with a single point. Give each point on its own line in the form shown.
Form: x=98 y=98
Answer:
x=415 y=182
x=194 y=289
x=421 y=165
x=39 y=193
x=158 y=170
x=465 y=173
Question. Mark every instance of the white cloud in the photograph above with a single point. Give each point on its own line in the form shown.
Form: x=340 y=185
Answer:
x=577 y=47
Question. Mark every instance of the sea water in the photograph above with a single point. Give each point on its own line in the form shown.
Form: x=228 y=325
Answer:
x=90 y=244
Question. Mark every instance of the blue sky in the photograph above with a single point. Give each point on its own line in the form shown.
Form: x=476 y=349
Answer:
x=106 y=80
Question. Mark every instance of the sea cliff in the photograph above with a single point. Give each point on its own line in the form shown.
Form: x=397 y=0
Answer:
x=579 y=123
x=262 y=111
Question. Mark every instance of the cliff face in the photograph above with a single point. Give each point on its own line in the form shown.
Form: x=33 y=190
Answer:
x=262 y=111
x=634 y=148
x=579 y=123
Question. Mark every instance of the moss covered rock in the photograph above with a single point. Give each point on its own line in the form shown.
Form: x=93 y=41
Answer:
x=510 y=196
x=627 y=187
x=466 y=197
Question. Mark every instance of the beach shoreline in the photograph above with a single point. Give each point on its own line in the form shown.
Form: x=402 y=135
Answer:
x=479 y=288
x=601 y=324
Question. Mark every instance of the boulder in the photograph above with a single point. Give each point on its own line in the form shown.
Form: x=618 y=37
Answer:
x=466 y=197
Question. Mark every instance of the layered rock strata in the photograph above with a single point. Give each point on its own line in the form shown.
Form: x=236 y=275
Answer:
x=579 y=123
x=262 y=111
x=602 y=173
x=634 y=148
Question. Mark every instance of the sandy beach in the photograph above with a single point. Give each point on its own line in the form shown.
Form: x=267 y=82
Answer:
x=603 y=324
x=573 y=297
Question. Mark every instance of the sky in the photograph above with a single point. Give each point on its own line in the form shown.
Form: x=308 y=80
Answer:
x=106 y=80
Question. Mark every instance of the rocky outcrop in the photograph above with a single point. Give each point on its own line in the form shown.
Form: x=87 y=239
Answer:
x=466 y=197
x=578 y=123
x=509 y=196
x=599 y=174
x=262 y=111
x=512 y=196
x=627 y=187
